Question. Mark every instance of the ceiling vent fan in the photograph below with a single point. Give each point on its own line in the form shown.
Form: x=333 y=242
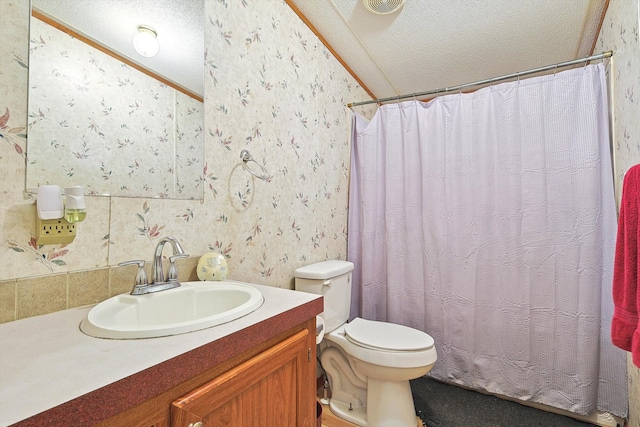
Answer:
x=383 y=7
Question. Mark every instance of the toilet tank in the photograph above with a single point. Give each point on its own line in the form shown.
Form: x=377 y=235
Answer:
x=332 y=280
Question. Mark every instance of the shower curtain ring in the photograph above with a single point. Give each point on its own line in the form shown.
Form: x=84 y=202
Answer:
x=555 y=69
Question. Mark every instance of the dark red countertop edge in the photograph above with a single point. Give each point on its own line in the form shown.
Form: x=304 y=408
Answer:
x=110 y=400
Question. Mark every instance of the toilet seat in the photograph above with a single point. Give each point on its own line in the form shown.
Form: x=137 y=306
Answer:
x=377 y=355
x=386 y=336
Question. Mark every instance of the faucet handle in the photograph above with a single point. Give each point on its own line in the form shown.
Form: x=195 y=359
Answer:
x=141 y=275
x=172 y=274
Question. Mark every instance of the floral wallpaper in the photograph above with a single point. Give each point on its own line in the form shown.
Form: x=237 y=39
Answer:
x=271 y=87
x=619 y=33
x=97 y=122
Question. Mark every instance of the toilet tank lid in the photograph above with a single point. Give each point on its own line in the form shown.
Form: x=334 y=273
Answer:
x=323 y=270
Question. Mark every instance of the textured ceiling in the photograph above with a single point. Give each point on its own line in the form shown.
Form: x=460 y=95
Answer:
x=428 y=44
x=432 y=44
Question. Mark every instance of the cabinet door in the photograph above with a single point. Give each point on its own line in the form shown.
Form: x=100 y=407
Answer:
x=274 y=388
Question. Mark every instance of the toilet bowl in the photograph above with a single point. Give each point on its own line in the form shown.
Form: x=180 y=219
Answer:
x=368 y=363
x=383 y=357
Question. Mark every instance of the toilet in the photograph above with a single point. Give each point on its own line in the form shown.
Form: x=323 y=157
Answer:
x=368 y=363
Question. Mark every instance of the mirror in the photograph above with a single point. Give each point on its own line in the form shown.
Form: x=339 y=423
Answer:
x=116 y=123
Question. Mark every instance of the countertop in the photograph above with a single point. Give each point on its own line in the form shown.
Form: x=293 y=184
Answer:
x=48 y=367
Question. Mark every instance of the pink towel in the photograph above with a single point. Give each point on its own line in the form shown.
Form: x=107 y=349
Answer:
x=625 y=327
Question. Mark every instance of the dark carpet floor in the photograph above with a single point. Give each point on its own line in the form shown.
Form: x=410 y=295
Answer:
x=444 y=405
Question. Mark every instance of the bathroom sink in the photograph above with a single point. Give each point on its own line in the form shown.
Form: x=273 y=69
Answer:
x=190 y=307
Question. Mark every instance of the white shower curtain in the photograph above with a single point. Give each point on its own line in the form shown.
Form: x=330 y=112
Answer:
x=488 y=220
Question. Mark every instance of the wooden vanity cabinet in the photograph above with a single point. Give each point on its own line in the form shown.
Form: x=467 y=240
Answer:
x=273 y=388
x=272 y=384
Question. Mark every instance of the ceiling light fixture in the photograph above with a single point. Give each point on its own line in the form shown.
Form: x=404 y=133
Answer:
x=383 y=7
x=145 y=41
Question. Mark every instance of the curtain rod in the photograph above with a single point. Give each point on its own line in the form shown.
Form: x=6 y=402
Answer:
x=602 y=55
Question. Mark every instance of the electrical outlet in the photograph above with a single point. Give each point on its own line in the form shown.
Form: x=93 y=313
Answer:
x=54 y=231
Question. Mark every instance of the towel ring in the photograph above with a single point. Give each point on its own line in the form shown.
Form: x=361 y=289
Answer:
x=246 y=158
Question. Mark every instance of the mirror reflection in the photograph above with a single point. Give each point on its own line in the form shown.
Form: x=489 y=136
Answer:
x=101 y=123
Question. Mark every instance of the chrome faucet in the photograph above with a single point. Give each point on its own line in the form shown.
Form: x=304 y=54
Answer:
x=142 y=286
x=156 y=272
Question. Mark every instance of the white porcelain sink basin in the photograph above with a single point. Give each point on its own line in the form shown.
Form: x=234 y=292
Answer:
x=190 y=307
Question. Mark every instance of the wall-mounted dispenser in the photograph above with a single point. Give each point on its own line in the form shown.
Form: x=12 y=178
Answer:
x=49 y=202
x=52 y=225
x=74 y=208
